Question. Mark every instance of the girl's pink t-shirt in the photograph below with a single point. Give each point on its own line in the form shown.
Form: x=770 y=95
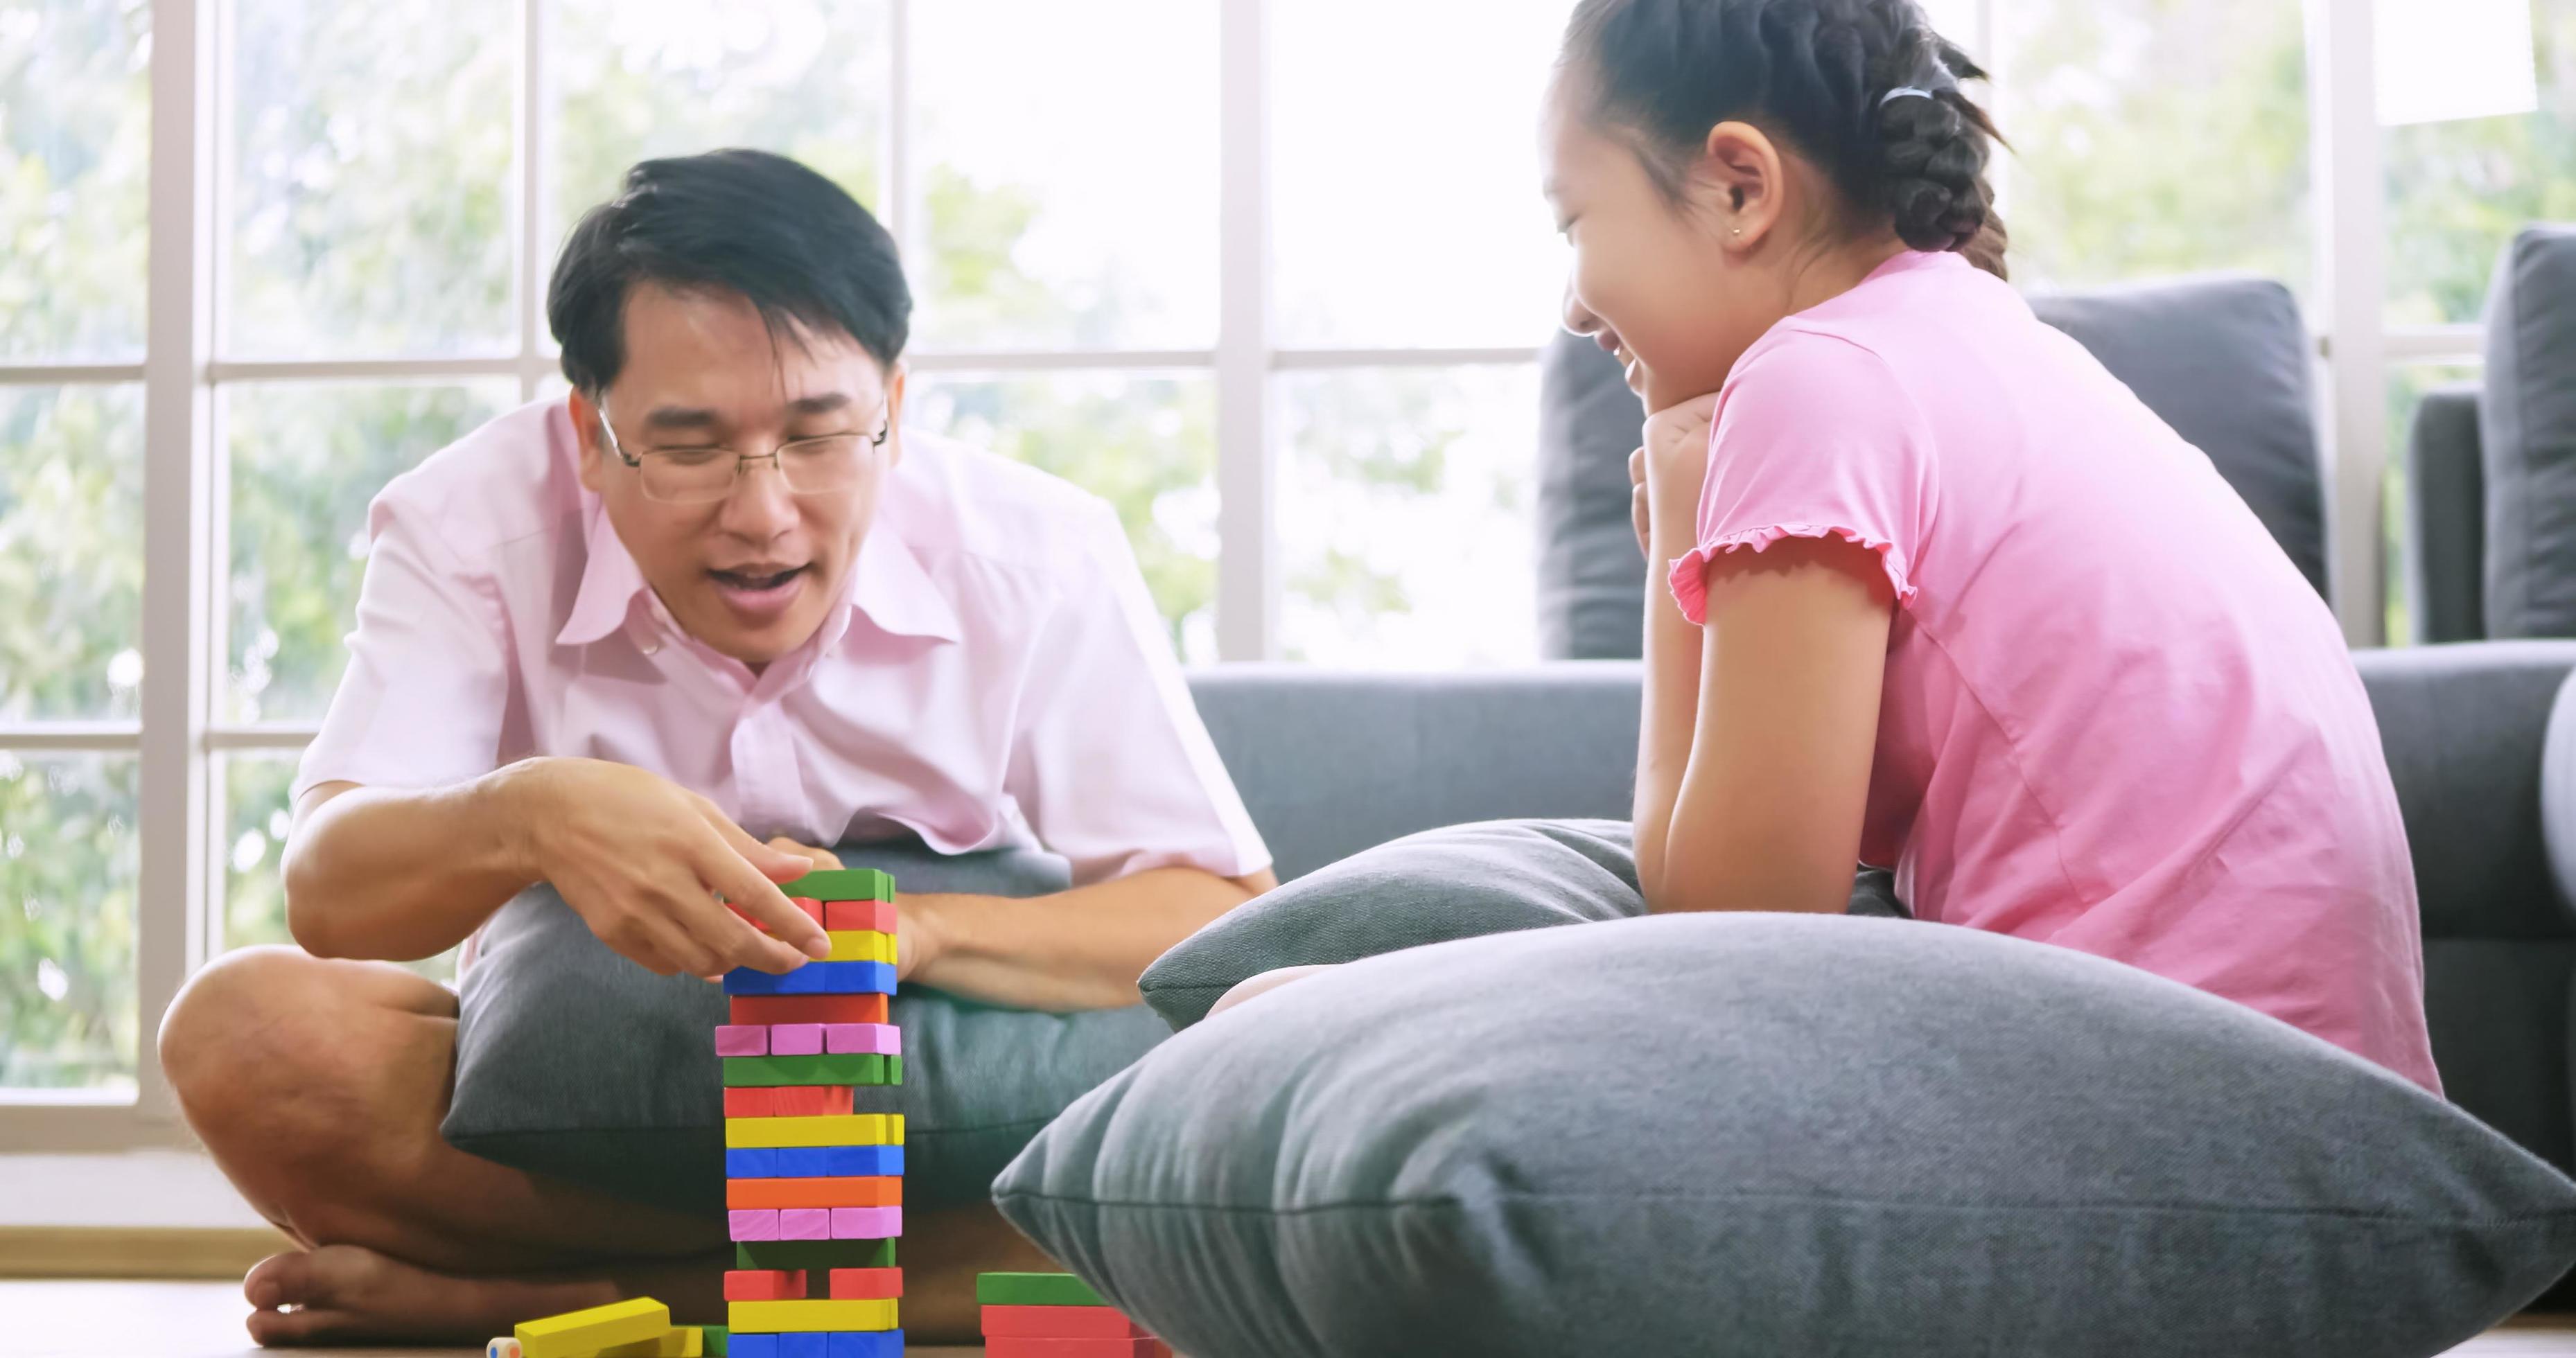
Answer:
x=2115 y=717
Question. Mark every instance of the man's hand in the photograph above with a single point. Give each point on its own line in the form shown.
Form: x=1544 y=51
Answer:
x=916 y=938
x=642 y=861
x=1668 y=471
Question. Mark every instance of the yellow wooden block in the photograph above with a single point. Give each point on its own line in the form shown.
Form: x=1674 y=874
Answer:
x=861 y=945
x=682 y=1341
x=843 y=1129
x=581 y=1334
x=782 y=1317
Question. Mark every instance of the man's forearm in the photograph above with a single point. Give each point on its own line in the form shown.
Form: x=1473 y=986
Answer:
x=1080 y=949
x=403 y=874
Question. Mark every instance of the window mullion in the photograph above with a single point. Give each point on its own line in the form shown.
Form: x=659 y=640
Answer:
x=1247 y=539
x=2351 y=288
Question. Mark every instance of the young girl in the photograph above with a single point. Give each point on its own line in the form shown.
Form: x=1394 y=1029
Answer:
x=1942 y=594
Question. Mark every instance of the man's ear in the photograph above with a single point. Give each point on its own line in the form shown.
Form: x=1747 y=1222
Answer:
x=585 y=433
x=895 y=384
x=1738 y=180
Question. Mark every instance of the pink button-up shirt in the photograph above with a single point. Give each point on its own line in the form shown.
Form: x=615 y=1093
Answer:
x=997 y=674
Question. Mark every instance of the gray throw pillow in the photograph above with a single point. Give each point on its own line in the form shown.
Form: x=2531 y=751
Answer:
x=1779 y=1134
x=1460 y=881
x=573 y=1062
x=2527 y=417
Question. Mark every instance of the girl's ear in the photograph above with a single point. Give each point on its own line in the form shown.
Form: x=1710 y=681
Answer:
x=1738 y=182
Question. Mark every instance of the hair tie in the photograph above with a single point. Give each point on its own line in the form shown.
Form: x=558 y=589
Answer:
x=1900 y=92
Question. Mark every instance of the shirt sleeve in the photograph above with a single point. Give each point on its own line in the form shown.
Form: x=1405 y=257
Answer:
x=423 y=699
x=1813 y=437
x=1110 y=762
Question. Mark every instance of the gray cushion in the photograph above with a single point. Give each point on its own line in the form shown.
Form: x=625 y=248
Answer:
x=2529 y=432
x=2224 y=360
x=2445 y=518
x=1462 y=881
x=1779 y=1134
x=573 y=1062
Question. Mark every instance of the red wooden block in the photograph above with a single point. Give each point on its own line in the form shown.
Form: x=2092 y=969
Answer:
x=866 y=1284
x=1053 y=1322
x=1017 y=1346
x=806 y=1101
x=764 y=1284
x=813 y=910
x=751 y=1103
x=866 y=916
x=807 y=1008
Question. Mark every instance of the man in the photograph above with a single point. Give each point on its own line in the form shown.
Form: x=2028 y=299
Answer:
x=650 y=644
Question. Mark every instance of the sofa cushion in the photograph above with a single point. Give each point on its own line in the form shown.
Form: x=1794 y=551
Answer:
x=573 y=1062
x=1779 y=1134
x=2224 y=360
x=2446 y=509
x=2528 y=419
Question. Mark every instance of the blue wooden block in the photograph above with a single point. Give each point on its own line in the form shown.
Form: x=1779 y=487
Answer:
x=752 y=1346
x=815 y=1162
x=866 y=1344
x=814 y=978
x=804 y=1344
x=750 y=1163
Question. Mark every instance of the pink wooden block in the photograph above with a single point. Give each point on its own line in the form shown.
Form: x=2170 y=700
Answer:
x=804 y=1223
x=866 y=1223
x=796 y=1039
x=742 y=1039
x=752 y=1225
x=884 y=1039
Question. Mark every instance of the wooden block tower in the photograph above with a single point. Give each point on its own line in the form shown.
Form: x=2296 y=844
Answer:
x=814 y=1187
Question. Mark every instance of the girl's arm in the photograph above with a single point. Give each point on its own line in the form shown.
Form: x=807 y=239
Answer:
x=1757 y=730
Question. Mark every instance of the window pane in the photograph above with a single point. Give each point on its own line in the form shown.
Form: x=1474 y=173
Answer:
x=306 y=459
x=1146 y=444
x=2407 y=384
x=67 y=869
x=2458 y=191
x=1404 y=517
x=803 y=78
x=71 y=551
x=1406 y=180
x=75 y=143
x=372 y=183
x=1067 y=173
x=2154 y=137
x=256 y=814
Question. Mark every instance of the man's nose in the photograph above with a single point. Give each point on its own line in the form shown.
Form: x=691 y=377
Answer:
x=760 y=506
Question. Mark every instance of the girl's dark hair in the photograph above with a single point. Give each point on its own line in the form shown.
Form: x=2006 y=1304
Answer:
x=1815 y=73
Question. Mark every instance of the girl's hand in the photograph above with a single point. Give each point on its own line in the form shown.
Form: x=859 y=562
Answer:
x=1668 y=472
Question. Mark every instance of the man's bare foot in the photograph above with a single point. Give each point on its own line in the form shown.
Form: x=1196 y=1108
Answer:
x=339 y=1293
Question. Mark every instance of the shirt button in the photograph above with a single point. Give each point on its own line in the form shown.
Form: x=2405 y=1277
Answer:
x=653 y=647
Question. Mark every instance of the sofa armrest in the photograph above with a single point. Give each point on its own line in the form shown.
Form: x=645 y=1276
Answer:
x=2446 y=519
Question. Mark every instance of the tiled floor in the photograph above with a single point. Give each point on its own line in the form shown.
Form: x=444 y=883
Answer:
x=204 y=1320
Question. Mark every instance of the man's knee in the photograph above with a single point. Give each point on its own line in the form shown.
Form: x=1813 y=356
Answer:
x=251 y=1023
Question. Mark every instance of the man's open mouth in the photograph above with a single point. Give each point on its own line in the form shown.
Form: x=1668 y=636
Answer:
x=757 y=581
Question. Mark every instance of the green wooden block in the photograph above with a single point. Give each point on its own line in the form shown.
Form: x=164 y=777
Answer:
x=894 y=1070
x=842 y=884
x=813 y=1254
x=719 y=1341
x=854 y=1068
x=1034 y=1289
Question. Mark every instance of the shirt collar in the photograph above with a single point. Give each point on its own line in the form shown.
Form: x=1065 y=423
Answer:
x=890 y=586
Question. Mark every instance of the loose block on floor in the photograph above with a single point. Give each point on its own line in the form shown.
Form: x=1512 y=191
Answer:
x=851 y=1129
x=1034 y=1289
x=837 y=885
x=860 y=945
x=770 y=1009
x=793 y=1039
x=686 y=1341
x=865 y=1284
x=580 y=1334
x=717 y=1340
x=875 y=917
x=765 y=1284
x=1015 y=1346
x=865 y=1068
x=778 y=1317
x=812 y=1162
x=814 y=1254
x=885 y=1039
x=872 y=1191
x=1061 y=1322
x=814 y=978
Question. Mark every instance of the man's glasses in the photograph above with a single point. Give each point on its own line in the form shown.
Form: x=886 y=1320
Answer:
x=687 y=476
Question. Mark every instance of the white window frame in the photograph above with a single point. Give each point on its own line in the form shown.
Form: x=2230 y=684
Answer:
x=176 y=737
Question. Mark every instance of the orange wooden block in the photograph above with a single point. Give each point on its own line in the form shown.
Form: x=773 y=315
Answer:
x=869 y=916
x=808 y=1101
x=866 y=1284
x=752 y=1103
x=744 y=1195
x=807 y=1009
x=764 y=1284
